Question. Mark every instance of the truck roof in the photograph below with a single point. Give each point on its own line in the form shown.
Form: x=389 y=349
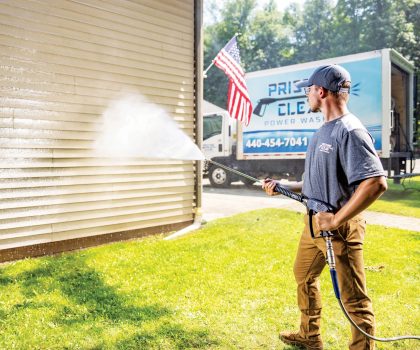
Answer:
x=335 y=60
x=208 y=107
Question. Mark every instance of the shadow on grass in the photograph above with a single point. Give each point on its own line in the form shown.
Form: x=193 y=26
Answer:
x=5 y=280
x=92 y=302
x=83 y=286
x=176 y=338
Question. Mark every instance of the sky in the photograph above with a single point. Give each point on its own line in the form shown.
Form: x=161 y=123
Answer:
x=281 y=4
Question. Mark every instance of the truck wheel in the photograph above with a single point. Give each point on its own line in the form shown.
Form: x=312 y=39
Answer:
x=219 y=177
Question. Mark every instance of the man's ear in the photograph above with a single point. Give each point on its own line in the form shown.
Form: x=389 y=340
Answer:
x=323 y=92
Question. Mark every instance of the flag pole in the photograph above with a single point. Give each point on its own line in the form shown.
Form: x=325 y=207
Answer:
x=212 y=61
x=205 y=72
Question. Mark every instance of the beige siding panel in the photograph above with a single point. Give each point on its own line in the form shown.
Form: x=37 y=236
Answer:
x=51 y=143
x=31 y=124
x=75 y=218
x=63 y=55
x=89 y=206
x=88 y=189
x=178 y=10
x=41 y=10
x=43 y=234
x=65 y=165
x=9 y=83
x=22 y=99
x=46 y=143
x=33 y=72
x=87 y=180
x=28 y=203
x=34 y=114
x=61 y=64
x=90 y=87
x=52 y=125
x=79 y=67
x=16 y=231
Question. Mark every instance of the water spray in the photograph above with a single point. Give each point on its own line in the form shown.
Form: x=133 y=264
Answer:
x=314 y=206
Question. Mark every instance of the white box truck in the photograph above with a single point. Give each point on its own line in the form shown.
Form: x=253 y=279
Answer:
x=275 y=141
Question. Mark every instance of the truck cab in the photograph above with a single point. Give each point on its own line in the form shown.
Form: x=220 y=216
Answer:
x=219 y=141
x=220 y=145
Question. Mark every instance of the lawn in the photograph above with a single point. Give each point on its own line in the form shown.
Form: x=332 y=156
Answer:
x=227 y=286
x=400 y=199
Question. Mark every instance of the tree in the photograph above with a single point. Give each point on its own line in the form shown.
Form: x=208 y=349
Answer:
x=386 y=25
x=314 y=32
x=269 y=40
x=348 y=21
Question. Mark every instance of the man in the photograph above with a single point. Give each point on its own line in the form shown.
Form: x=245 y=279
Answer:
x=342 y=169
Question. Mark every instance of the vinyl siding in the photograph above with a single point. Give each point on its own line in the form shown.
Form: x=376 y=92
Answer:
x=61 y=64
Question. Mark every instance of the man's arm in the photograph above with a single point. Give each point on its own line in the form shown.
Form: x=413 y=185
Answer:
x=366 y=193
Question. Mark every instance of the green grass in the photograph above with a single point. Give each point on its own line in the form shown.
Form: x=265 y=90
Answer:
x=400 y=199
x=229 y=285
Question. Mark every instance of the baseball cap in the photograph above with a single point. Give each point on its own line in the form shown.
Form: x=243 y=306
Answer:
x=331 y=77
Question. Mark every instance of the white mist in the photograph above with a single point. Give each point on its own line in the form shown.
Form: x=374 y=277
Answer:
x=135 y=127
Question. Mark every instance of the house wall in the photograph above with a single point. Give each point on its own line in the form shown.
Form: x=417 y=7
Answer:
x=61 y=64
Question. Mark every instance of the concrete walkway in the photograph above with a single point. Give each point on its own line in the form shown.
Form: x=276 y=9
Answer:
x=219 y=203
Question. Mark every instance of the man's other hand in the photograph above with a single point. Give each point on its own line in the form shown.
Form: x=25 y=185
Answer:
x=326 y=221
x=269 y=186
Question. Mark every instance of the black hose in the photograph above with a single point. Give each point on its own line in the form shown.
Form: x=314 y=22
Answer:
x=334 y=279
x=371 y=336
x=280 y=189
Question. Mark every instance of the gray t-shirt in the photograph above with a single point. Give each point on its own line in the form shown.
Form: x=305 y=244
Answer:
x=340 y=155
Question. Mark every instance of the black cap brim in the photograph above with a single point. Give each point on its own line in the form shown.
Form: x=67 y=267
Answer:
x=303 y=83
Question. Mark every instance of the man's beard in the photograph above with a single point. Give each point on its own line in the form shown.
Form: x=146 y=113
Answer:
x=315 y=109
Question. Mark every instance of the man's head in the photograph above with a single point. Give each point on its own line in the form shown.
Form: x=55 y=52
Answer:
x=331 y=80
x=331 y=77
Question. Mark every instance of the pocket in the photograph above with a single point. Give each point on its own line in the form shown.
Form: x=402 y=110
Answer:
x=356 y=229
x=343 y=230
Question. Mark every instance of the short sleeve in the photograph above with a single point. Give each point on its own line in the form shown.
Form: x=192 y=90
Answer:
x=358 y=156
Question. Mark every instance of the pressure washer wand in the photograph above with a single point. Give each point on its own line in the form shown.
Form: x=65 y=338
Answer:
x=282 y=190
x=233 y=171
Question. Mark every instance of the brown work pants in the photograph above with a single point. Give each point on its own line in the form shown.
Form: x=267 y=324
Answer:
x=311 y=260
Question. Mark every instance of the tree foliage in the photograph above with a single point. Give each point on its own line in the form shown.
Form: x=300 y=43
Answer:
x=321 y=29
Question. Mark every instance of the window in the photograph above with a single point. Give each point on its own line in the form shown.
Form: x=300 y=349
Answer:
x=212 y=125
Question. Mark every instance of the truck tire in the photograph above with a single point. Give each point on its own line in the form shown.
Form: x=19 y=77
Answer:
x=219 y=177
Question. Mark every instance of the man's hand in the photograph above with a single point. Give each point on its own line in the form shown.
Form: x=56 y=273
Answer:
x=325 y=221
x=366 y=193
x=268 y=186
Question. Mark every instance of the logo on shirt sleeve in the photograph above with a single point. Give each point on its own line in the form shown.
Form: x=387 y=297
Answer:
x=325 y=147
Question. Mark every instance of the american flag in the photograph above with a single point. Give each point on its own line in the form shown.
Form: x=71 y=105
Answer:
x=229 y=61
